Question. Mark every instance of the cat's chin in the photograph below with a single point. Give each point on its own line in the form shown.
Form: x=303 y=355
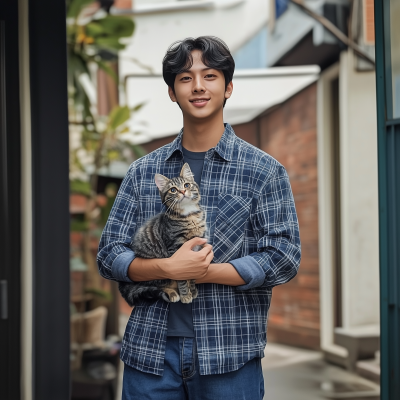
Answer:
x=187 y=208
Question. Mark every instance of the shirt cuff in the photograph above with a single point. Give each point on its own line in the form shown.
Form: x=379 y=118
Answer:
x=250 y=271
x=121 y=264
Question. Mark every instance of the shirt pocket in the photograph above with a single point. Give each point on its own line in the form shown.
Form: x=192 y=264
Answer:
x=233 y=213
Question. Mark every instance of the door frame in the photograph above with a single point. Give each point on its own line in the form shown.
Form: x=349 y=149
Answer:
x=50 y=199
x=389 y=198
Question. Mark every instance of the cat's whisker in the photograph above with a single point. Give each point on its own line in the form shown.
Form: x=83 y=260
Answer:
x=170 y=208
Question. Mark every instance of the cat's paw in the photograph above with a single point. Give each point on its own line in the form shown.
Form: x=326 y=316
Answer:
x=171 y=296
x=174 y=297
x=166 y=298
x=187 y=298
x=195 y=292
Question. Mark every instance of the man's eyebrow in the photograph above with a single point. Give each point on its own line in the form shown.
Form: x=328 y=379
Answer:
x=189 y=70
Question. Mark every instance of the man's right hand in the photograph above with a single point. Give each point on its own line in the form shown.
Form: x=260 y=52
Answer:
x=184 y=264
x=188 y=264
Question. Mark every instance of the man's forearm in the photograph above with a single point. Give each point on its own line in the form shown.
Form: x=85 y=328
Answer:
x=224 y=274
x=143 y=269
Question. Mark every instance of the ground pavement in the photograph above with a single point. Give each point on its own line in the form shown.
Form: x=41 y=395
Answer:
x=296 y=374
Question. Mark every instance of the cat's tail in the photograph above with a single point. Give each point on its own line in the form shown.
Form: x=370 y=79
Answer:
x=134 y=293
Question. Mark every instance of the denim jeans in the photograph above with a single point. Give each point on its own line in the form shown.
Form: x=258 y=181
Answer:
x=182 y=381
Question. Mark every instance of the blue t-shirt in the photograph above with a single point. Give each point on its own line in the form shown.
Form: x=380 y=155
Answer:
x=180 y=322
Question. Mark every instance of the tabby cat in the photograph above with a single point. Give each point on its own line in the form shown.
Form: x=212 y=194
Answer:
x=163 y=234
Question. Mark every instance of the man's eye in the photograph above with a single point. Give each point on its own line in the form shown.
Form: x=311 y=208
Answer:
x=210 y=76
x=185 y=78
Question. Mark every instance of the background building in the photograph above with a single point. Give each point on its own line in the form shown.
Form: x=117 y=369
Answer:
x=322 y=130
x=300 y=94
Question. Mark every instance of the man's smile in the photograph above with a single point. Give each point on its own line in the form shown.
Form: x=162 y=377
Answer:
x=199 y=102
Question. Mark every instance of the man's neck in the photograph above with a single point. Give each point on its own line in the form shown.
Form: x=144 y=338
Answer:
x=203 y=135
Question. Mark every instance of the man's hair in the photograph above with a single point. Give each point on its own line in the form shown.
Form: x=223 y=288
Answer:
x=215 y=54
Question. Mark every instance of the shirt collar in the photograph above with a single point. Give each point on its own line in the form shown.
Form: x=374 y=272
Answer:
x=224 y=147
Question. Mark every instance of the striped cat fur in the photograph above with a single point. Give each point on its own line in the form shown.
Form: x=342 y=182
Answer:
x=163 y=234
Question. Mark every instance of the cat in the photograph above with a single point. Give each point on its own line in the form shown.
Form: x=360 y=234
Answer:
x=163 y=234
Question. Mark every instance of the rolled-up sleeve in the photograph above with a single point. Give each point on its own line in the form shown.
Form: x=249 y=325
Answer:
x=114 y=254
x=276 y=227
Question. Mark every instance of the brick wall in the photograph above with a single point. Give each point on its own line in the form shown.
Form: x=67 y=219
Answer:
x=288 y=133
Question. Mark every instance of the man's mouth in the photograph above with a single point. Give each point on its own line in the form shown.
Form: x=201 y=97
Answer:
x=199 y=102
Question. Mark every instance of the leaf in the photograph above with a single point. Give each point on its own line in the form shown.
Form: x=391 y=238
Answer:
x=137 y=107
x=80 y=187
x=94 y=29
x=113 y=155
x=125 y=130
x=111 y=43
x=118 y=116
x=117 y=26
x=75 y=160
x=76 y=6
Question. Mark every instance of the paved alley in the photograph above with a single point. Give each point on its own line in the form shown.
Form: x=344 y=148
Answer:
x=296 y=374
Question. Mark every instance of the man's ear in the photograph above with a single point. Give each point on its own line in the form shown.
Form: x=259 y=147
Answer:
x=229 y=90
x=172 y=94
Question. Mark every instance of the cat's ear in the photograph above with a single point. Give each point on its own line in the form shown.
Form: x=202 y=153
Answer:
x=186 y=172
x=161 y=181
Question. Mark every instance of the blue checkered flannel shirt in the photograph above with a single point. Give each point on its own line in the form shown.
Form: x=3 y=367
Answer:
x=251 y=223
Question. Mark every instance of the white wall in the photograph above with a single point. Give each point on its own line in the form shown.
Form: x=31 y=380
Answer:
x=235 y=22
x=359 y=202
x=359 y=195
x=326 y=210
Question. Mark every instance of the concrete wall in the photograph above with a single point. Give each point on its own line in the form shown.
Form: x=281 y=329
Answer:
x=359 y=195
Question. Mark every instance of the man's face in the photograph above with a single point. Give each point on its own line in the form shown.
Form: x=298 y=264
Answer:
x=200 y=91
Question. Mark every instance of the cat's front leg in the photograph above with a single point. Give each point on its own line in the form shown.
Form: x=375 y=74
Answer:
x=184 y=292
x=193 y=288
x=171 y=292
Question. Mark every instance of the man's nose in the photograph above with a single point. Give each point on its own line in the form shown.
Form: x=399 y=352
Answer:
x=198 y=86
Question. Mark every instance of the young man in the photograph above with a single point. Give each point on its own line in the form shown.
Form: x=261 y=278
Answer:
x=211 y=348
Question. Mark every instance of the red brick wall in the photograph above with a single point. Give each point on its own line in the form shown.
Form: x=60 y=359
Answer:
x=288 y=133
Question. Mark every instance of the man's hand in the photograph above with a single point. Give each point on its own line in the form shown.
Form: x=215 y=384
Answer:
x=187 y=264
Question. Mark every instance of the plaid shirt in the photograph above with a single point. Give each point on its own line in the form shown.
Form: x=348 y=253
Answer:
x=251 y=223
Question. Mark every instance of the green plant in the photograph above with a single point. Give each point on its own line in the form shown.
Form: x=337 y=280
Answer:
x=93 y=42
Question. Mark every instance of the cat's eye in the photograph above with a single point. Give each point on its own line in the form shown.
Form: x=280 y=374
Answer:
x=173 y=190
x=186 y=185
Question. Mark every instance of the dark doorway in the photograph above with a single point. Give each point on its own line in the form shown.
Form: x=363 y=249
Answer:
x=10 y=348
